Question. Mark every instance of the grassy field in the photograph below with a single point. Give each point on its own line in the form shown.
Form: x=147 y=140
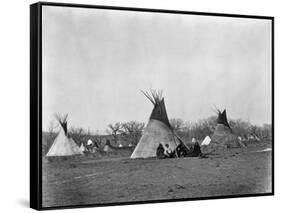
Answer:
x=85 y=180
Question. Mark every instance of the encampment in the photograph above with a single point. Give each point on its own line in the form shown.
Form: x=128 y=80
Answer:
x=63 y=144
x=158 y=130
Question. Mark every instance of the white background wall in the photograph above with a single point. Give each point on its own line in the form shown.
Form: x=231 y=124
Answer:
x=14 y=110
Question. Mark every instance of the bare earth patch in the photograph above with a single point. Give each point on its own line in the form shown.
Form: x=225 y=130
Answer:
x=88 y=181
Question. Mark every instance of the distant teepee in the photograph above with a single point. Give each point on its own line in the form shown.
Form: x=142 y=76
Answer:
x=82 y=147
x=223 y=135
x=158 y=129
x=63 y=145
x=108 y=147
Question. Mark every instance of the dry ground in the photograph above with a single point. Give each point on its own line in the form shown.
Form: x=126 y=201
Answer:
x=88 y=181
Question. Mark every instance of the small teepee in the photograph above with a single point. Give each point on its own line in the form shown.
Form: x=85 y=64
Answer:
x=206 y=141
x=158 y=130
x=82 y=147
x=63 y=145
x=223 y=135
x=108 y=147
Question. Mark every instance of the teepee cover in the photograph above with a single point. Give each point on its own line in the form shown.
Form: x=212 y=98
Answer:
x=158 y=130
x=63 y=145
x=223 y=135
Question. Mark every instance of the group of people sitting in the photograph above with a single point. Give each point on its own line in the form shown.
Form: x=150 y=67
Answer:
x=181 y=151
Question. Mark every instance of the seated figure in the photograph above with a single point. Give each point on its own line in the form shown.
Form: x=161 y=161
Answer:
x=160 y=152
x=196 y=150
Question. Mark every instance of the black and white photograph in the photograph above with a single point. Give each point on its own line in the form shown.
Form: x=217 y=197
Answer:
x=152 y=106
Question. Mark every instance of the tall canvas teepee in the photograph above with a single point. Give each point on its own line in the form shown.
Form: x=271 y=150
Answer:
x=63 y=145
x=223 y=135
x=158 y=130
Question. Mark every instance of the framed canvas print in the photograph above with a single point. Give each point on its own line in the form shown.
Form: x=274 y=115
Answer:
x=134 y=105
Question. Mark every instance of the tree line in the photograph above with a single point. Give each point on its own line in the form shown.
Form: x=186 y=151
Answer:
x=201 y=128
x=130 y=132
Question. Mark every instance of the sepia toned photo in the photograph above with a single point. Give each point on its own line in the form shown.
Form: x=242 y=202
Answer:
x=153 y=106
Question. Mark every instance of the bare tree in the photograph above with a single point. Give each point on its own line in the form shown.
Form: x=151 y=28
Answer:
x=114 y=130
x=240 y=127
x=97 y=138
x=266 y=131
x=52 y=127
x=89 y=131
x=253 y=130
x=132 y=131
x=78 y=131
x=78 y=134
x=198 y=129
x=177 y=124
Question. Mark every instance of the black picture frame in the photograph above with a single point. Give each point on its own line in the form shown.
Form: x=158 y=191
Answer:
x=36 y=100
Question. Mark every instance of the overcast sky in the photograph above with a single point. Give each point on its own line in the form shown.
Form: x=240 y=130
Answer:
x=95 y=62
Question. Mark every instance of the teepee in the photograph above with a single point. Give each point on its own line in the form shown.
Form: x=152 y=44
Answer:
x=63 y=145
x=82 y=147
x=108 y=147
x=223 y=135
x=158 y=130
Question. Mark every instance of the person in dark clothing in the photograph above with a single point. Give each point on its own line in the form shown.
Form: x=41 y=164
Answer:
x=160 y=152
x=196 y=150
x=182 y=151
